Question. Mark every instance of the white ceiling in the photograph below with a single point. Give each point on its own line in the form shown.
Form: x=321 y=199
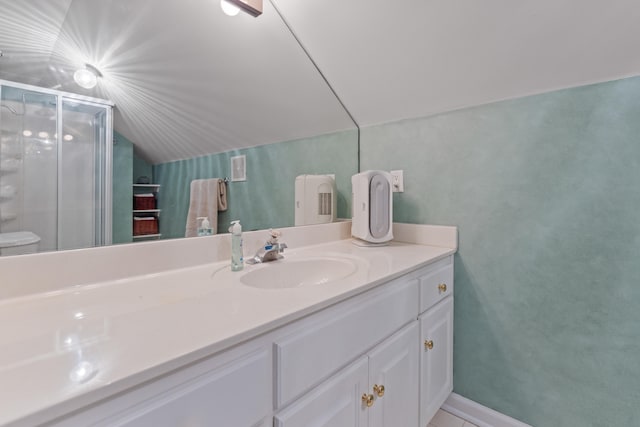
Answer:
x=188 y=80
x=397 y=59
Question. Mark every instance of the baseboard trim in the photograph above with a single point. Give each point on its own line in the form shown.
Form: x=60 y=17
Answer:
x=478 y=414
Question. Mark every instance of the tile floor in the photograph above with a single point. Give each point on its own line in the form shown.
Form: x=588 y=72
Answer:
x=445 y=419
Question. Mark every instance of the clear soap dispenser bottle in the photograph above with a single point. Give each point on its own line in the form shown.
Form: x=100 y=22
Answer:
x=237 y=261
x=205 y=227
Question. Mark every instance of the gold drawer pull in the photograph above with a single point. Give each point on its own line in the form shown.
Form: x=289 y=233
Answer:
x=378 y=389
x=367 y=399
x=428 y=345
x=442 y=287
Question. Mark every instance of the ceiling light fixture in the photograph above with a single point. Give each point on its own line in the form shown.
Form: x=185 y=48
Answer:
x=228 y=8
x=87 y=77
x=232 y=7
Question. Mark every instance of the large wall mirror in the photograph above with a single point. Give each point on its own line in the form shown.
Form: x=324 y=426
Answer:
x=192 y=90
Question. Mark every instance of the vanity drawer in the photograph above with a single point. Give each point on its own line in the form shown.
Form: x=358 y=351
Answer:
x=326 y=342
x=235 y=393
x=436 y=285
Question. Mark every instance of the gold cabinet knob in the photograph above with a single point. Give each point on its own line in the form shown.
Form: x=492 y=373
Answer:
x=378 y=389
x=442 y=287
x=428 y=345
x=367 y=399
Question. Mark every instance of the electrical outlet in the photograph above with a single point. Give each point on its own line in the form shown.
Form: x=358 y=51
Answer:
x=397 y=181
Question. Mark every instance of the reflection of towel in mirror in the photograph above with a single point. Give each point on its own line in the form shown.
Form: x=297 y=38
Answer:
x=222 y=195
x=208 y=196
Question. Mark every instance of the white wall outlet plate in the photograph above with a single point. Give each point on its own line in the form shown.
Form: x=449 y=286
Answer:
x=397 y=181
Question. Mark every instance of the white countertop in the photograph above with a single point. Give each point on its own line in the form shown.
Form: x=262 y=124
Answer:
x=64 y=349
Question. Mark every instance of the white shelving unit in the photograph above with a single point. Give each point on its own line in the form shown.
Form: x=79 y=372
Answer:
x=145 y=188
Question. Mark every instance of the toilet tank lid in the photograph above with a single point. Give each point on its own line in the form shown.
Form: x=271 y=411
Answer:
x=18 y=238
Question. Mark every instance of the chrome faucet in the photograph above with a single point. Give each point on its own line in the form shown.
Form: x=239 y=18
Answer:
x=270 y=251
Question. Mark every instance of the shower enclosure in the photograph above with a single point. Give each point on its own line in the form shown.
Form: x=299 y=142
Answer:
x=55 y=166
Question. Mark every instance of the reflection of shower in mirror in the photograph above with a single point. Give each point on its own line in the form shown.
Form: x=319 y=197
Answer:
x=56 y=193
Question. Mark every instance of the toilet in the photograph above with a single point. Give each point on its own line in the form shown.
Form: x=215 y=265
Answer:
x=18 y=243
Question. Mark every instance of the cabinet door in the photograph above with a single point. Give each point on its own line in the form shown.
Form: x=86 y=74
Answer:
x=335 y=403
x=436 y=364
x=329 y=340
x=394 y=365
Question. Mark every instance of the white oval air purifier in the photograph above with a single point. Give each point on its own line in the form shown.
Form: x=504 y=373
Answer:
x=372 y=218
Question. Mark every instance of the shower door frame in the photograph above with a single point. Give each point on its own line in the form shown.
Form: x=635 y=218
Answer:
x=105 y=220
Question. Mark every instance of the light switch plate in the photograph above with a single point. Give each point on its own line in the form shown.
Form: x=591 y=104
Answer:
x=397 y=181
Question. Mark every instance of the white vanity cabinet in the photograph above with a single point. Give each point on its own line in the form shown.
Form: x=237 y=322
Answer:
x=312 y=349
x=380 y=389
x=436 y=331
x=382 y=358
x=380 y=331
x=232 y=389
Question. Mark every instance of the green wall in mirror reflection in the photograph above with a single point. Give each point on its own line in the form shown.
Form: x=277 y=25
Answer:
x=127 y=168
x=266 y=198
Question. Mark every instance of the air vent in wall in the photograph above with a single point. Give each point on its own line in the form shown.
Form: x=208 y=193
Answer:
x=324 y=204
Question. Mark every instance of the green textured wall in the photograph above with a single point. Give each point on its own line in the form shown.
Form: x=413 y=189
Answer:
x=122 y=190
x=266 y=199
x=141 y=168
x=545 y=191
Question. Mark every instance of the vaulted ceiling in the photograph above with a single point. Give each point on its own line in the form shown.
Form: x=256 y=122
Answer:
x=188 y=80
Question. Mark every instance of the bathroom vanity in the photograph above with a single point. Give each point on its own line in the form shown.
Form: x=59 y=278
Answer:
x=371 y=346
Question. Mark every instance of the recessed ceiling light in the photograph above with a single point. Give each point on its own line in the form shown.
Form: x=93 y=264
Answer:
x=232 y=7
x=87 y=77
x=228 y=8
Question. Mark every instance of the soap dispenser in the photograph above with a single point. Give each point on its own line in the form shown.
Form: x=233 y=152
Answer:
x=205 y=227
x=237 y=260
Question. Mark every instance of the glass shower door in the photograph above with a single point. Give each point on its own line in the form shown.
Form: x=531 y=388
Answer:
x=28 y=164
x=84 y=181
x=55 y=167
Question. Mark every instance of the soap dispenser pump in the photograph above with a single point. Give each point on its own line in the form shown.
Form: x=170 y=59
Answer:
x=237 y=260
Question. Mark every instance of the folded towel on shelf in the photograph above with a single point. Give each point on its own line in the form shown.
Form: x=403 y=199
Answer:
x=207 y=197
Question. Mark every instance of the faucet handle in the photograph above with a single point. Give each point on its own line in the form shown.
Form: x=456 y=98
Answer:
x=275 y=234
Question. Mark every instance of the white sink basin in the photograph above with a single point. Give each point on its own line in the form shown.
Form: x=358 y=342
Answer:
x=295 y=273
